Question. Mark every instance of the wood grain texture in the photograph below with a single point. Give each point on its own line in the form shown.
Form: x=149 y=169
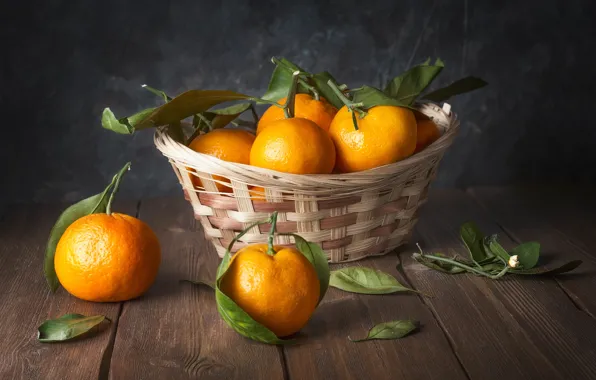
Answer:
x=174 y=331
x=325 y=352
x=563 y=221
x=514 y=328
x=26 y=302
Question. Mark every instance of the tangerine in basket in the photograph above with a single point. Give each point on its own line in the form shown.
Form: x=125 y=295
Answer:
x=385 y=135
x=294 y=145
x=305 y=106
x=279 y=291
x=427 y=133
x=107 y=258
x=226 y=144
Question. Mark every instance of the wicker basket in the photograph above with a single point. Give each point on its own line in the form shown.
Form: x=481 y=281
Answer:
x=351 y=216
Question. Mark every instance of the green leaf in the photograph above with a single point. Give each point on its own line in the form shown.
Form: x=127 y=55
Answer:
x=317 y=257
x=497 y=249
x=372 y=97
x=67 y=327
x=242 y=323
x=365 y=281
x=567 y=267
x=473 y=240
x=460 y=86
x=280 y=81
x=410 y=84
x=166 y=98
x=238 y=319
x=93 y=205
x=390 y=330
x=200 y=283
x=187 y=104
x=527 y=254
x=218 y=118
x=320 y=83
x=125 y=125
x=438 y=265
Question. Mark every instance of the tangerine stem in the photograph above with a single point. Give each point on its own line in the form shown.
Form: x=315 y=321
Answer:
x=288 y=107
x=352 y=107
x=273 y=220
x=118 y=178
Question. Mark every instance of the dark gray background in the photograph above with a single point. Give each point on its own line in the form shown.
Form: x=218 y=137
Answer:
x=67 y=60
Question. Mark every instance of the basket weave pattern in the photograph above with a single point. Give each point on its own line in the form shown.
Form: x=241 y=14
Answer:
x=351 y=215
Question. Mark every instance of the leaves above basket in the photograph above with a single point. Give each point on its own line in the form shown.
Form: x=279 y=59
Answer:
x=178 y=108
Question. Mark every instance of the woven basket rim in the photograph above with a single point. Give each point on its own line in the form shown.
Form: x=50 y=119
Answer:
x=176 y=151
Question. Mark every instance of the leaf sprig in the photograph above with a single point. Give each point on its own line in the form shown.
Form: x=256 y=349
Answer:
x=489 y=259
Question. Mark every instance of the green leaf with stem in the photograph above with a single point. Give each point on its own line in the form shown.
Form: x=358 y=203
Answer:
x=423 y=258
x=125 y=125
x=218 y=118
x=497 y=249
x=281 y=80
x=99 y=203
x=407 y=86
x=473 y=239
x=67 y=327
x=390 y=330
x=460 y=86
x=160 y=93
x=321 y=81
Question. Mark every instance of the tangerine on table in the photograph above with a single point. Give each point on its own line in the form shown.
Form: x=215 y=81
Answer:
x=385 y=135
x=294 y=145
x=231 y=145
x=107 y=258
x=320 y=112
x=280 y=292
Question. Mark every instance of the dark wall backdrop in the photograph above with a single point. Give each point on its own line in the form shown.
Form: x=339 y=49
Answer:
x=64 y=61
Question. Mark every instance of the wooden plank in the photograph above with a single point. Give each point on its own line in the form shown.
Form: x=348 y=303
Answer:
x=563 y=226
x=26 y=302
x=175 y=331
x=325 y=352
x=514 y=328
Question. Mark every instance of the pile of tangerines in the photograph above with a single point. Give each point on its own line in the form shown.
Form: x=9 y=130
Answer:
x=320 y=139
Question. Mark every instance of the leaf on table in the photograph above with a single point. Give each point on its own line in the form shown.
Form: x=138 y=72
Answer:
x=365 y=281
x=567 y=267
x=460 y=86
x=473 y=239
x=317 y=257
x=93 y=205
x=527 y=254
x=209 y=284
x=125 y=125
x=410 y=84
x=67 y=327
x=437 y=265
x=497 y=249
x=372 y=97
x=390 y=330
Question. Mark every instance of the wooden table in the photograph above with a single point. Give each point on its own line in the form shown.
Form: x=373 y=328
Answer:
x=471 y=327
